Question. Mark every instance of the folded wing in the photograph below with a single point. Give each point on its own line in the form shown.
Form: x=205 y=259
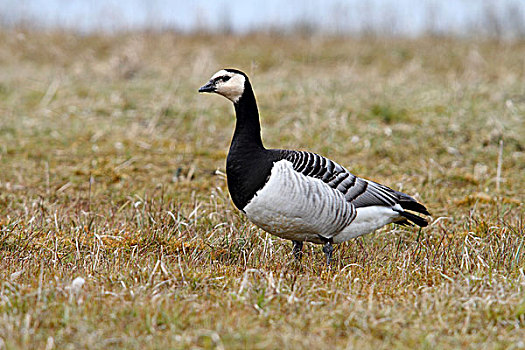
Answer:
x=357 y=191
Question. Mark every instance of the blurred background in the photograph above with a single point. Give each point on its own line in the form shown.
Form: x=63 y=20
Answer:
x=501 y=18
x=112 y=169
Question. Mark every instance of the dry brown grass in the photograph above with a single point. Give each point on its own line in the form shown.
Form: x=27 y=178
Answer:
x=109 y=160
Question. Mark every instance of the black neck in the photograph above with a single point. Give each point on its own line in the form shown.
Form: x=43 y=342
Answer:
x=249 y=164
x=247 y=127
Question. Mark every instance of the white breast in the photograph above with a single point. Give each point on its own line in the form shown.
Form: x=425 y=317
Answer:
x=294 y=206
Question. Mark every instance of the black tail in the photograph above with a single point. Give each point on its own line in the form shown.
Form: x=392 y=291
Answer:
x=408 y=203
x=418 y=220
x=414 y=206
x=404 y=222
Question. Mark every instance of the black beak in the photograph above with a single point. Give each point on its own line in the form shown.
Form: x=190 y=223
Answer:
x=209 y=87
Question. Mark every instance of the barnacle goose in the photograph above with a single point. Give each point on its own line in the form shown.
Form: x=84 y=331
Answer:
x=298 y=195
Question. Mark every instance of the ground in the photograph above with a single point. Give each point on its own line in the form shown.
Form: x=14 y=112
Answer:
x=112 y=173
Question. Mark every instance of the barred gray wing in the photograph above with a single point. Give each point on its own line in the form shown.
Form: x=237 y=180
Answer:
x=358 y=191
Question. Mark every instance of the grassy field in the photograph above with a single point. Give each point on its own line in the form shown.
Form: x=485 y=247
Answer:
x=112 y=170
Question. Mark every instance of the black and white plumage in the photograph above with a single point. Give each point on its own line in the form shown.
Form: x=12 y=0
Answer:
x=298 y=195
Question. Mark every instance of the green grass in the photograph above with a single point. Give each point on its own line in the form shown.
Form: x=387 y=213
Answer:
x=109 y=160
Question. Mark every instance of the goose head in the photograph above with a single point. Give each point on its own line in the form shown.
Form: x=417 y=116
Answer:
x=229 y=83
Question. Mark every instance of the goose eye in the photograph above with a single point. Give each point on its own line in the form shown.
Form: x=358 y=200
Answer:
x=225 y=78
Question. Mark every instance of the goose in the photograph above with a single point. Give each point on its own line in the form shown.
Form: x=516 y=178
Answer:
x=299 y=195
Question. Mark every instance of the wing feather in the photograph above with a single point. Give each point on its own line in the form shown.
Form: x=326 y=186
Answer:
x=357 y=191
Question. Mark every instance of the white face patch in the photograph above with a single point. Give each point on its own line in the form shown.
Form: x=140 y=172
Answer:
x=232 y=88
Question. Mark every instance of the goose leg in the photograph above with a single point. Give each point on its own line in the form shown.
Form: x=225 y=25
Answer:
x=297 y=249
x=327 y=250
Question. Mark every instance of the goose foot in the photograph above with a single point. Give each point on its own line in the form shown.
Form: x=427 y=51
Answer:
x=298 y=250
x=327 y=248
